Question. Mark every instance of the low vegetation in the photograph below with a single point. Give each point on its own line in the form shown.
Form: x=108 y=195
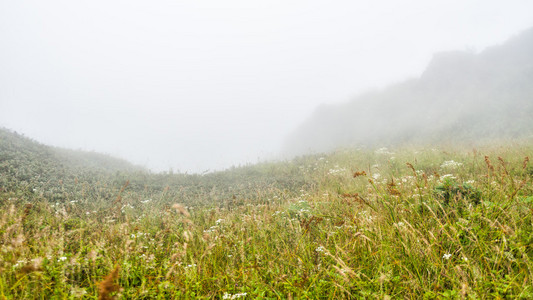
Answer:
x=384 y=224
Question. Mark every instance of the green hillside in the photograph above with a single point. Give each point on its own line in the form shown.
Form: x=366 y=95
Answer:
x=34 y=167
x=39 y=170
x=416 y=223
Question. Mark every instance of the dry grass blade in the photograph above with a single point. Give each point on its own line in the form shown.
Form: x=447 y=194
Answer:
x=181 y=209
x=108 y=286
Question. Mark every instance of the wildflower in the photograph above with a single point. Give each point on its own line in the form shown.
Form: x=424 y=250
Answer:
x=465 y=258
x=383 y=150
x=320 y=249
x=234 y=296
x=211 y=229
x=448 y=176
x=62 y=258
x=336 y=170
x=447 y=256
x=77 y=292
x=19 y=263
x=450 y=164
x=219 y=221
x=146 y=201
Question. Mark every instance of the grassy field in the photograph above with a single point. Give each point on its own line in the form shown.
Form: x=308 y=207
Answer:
x=377 y=224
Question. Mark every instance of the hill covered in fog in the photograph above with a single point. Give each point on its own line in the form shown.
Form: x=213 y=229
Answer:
x=25 y=162
x=461 y=96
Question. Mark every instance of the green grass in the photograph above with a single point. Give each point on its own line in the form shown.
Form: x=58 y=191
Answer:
x=422 y=223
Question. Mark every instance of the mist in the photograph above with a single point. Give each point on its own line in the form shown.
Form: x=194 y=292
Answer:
x=195 y=86
x=461 y=97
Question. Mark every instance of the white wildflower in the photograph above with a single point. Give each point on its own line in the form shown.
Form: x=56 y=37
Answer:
x=234 y=296
x=19 y=263
x=78 y=292
x=450 y=164
x=383 y=150
x=320 y=249
x=447 y=256
x=336 y=170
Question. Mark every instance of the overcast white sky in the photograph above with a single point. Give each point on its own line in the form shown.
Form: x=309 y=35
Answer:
x=197 y=85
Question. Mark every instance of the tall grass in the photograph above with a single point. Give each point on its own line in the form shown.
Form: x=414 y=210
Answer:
x=384 y=224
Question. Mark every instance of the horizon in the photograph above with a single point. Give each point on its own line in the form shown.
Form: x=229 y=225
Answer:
x=205 y=86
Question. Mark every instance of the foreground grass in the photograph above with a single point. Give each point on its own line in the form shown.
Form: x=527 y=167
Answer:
x=358 y=224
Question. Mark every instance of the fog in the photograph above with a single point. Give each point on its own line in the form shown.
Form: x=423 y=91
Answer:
x=204 y=85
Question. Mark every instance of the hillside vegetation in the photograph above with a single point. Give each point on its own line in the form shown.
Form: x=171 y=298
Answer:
x=461 y=96
x=395 y=223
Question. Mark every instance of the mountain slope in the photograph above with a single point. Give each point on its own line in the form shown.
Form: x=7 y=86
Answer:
x=26 y=162
x=461 y=96
x=31 y=170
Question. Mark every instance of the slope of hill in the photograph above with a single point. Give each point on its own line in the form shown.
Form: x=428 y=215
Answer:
x=36 y=171
x=461 y=96
x=387 y=224
x=25 y=162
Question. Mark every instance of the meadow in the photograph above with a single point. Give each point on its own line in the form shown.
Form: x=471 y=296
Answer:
x=403 y=223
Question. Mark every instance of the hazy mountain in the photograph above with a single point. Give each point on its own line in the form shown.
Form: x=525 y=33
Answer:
x=461 y=96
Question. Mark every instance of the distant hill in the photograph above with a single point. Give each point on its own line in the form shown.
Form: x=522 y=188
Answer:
x=30 y=170
x=24 y=161
x=461 y=96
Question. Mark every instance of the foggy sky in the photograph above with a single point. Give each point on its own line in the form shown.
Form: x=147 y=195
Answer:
x=197 y=85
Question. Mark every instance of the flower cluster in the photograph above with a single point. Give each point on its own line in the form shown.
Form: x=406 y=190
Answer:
x=234 y=296
x=450 y=164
